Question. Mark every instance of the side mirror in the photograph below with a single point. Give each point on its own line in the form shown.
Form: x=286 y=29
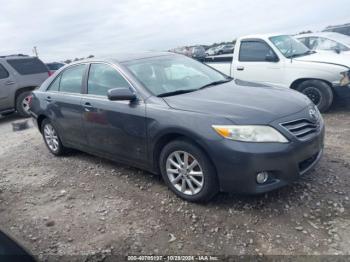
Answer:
x=271 y=58
x=121 y=93
x=337 y=50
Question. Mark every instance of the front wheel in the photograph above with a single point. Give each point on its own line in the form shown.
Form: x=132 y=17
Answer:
x=319 y=92
x=188 y=172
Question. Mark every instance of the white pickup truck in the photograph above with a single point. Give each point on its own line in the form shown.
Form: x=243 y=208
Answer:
x=283 y=61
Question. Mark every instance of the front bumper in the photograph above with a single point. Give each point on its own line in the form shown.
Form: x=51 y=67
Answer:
x=238 y=163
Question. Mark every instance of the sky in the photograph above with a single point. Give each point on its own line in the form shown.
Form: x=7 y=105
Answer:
x=66 y=29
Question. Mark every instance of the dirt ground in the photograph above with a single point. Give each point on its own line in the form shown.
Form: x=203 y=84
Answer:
x=90 y=207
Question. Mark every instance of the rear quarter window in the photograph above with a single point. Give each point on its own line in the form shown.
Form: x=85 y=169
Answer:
x=28 y=66
x=3 y=72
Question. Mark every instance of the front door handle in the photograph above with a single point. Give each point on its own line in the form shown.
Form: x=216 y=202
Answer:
x=87 y=106
x=240 y=68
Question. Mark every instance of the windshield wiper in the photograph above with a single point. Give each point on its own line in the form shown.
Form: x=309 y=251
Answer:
x=177 y=92
x=309 y=52
x=184 y=91
x=215 y=83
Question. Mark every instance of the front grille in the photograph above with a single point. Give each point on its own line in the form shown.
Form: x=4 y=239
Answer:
x=303 y=129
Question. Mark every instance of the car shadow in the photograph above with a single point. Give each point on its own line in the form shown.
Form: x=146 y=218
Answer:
x=289 y=193
x=341 y=102
x=9 y=118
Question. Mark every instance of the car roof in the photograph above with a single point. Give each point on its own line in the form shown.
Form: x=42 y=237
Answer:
x=124 y=57
x=12 y=57
x=325 y=34
x=262 y=36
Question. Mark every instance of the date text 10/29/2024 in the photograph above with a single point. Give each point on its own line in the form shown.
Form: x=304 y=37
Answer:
x=172 y=258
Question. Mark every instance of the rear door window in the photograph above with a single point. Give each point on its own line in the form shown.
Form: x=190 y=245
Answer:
x=254 y=51
x=3 y=72
x=72 y=78
x=28 y=66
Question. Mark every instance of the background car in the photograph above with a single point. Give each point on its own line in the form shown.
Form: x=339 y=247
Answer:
x=53 y=67
x=184 y=50
x=266 y=59
x=211 y=51
x=198 y=52
x=19 y=75
x=326 y=41
x=225 y=49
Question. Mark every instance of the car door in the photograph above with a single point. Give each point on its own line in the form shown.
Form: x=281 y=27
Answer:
x=7 y=85
x=115 y=128
x=63 y=99
x=257 y=62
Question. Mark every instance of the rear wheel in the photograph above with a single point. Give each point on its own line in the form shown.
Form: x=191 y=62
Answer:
x=319 y=92
x=188 y=171
x=23 y=103
x=51 y=138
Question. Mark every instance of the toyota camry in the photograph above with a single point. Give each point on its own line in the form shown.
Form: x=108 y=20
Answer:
x=201 y=130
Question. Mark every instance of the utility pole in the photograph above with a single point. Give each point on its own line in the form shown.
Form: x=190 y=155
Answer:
x=35 y=51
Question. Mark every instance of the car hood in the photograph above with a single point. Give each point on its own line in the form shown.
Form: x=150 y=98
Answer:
x=241 y=102
x=327 y=57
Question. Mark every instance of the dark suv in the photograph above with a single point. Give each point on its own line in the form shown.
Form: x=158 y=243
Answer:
x=19 y=75
x=201 y=130
x=198 y=53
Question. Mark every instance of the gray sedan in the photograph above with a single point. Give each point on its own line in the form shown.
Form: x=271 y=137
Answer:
x=201 y=130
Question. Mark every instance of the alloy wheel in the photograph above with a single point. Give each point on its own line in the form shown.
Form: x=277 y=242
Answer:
x=51 y=137
x=26 y=104
x=184 y=173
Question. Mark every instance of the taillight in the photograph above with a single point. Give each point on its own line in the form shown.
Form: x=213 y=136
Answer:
x=50 y=73
x=30 y=100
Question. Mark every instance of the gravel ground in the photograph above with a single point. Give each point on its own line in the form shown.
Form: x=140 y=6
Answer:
x=87 y=206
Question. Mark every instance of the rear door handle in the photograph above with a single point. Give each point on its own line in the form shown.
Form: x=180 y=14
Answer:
x=48 y=99
x=240 y=68
x=9 y=83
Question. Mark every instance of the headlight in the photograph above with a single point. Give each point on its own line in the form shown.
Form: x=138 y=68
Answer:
x=345 y=79
x=250 y=133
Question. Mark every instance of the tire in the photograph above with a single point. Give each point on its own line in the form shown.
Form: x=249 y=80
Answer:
x=55 y=147
x=208 y=180
x=22 y=105
x=319 y=92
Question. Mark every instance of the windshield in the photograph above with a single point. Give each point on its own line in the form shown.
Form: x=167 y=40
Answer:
x=289 y=46
x=173 y=74
x=339 y=37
